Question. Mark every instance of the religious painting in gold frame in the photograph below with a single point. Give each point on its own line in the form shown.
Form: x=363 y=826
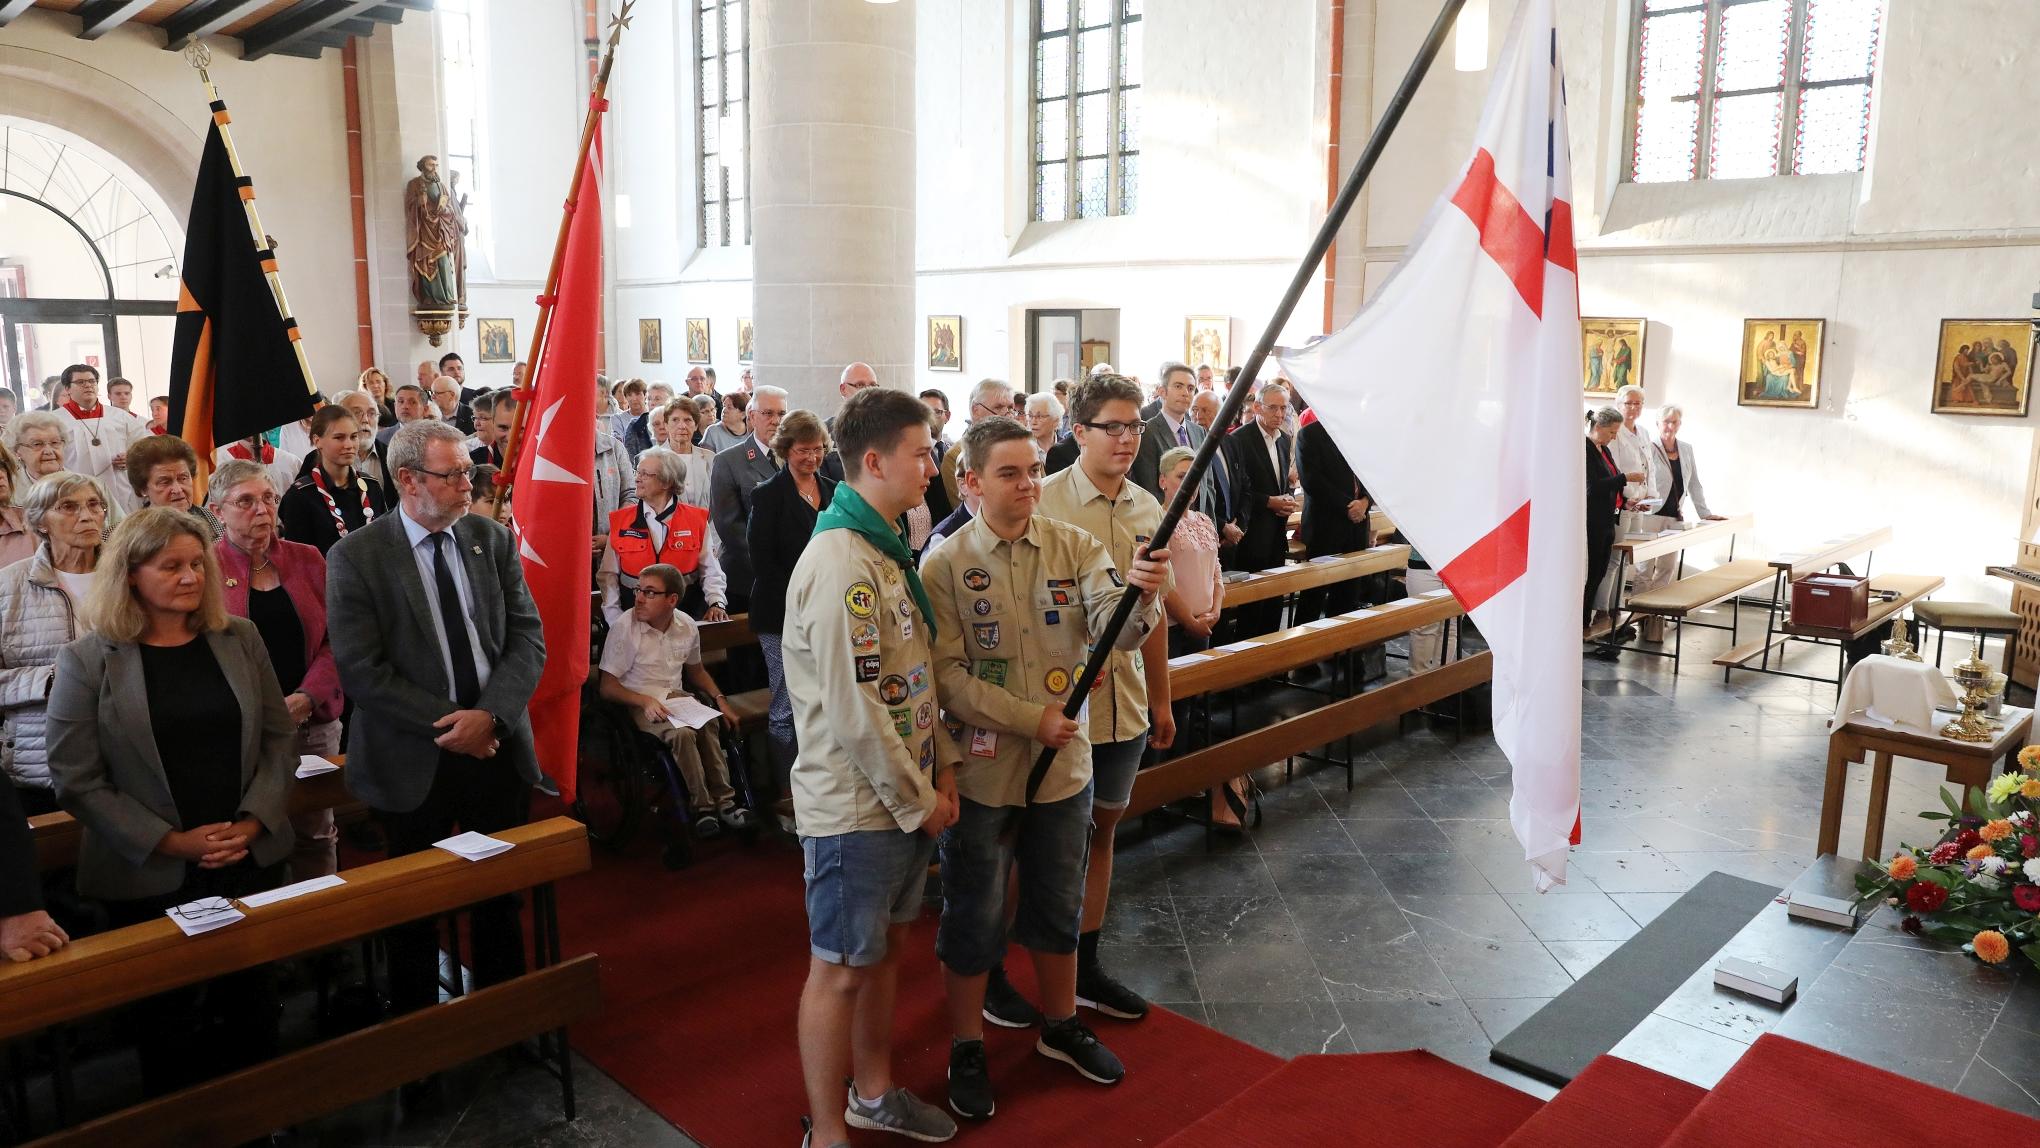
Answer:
x=697 y=340
x=743 y=339
x=1780 y=363
x=1207 y=341
x=651 y=343
x=1095 y=351
x=498 y=339
x=1611 y=354
x=1984 y=367
x=945 y=342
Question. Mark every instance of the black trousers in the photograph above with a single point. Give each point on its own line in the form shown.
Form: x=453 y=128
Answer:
x=486 y=796
x=1600 y=544
x=1182 y=642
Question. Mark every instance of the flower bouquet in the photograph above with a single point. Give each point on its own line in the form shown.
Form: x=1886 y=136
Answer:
x=1980 y=886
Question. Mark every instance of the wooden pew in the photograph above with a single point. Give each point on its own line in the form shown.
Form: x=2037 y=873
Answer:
x=57 y=834
x=1688 y=594
x=1780 y=630
x=117 y=968
x=1296 y=577
x=1191 y=675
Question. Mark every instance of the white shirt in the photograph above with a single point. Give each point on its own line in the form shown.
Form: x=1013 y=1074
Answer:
x=422 y=549
x=75 y=585
x=1274 y=457
x=650 y=661
x=1631 y=449
x=283 y=466
x=116 y=430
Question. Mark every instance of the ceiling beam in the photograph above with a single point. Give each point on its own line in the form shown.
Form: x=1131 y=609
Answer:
x=104 y=16
x=301 y=20
x=207 y=19
x=9 y=9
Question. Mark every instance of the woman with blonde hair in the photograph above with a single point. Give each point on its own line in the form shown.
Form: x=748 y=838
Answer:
x=376 y=385
x=42 y=599
x=173 y=747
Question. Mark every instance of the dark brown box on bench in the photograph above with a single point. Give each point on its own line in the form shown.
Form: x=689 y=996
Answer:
x=1831 y=601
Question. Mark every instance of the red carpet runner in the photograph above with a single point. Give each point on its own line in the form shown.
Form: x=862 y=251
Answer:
x=701 y=977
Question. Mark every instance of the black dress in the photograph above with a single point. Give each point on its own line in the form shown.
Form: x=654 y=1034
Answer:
x=196 y=721
x=1604 y=499
x=283 y=634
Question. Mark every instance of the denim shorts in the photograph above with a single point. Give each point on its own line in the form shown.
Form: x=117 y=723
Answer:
x=860 y=884
x=1113 y=765
x=1051 y=844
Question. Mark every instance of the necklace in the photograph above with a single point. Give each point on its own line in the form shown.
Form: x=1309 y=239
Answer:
x=333 y=508
x=812 y=499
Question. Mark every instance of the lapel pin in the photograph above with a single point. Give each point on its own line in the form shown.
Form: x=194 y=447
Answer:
x=231 y=583
x=476 y=549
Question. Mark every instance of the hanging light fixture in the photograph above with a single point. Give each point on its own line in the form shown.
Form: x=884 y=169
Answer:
x=1469 y=37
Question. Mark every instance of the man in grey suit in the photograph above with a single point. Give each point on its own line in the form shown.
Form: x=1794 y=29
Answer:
x=441 y=652
x=1169 y=427
x=735 y=474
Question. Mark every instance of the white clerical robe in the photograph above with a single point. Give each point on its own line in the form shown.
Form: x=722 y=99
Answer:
x=97 y=441
x=283 y=465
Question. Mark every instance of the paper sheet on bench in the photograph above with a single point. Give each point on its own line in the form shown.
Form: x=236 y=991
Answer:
x=1190 y=659
x=217 y=913
x=1274 y=570
x=312 y=765
x=684 y=712
x=1324 y=623
x=473 y=846
x=296 y=889
x=1236 y=647
x=1350 y=615
x=1328 y=558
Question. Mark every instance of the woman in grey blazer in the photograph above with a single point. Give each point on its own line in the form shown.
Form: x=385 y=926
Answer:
x=171 y=744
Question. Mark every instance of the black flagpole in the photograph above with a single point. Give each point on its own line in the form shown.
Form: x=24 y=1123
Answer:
x=1348 y=194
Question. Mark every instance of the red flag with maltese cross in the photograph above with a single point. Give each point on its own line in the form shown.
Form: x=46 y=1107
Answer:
x=1478 y=453
x=554 y=506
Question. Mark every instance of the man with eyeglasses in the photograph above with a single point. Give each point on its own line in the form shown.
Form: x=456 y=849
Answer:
x=856 y=377
x=450 y=409
x=991 y=397
x=439 y=738
x=732 y=479
x=1130 y=702
x=100 y=434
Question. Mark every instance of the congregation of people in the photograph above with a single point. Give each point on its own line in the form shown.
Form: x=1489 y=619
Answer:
x=171 y=644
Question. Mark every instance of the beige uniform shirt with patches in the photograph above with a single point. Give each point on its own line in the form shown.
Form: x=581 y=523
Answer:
x=1015 y=619
x=1119 y=702
x=861 y=676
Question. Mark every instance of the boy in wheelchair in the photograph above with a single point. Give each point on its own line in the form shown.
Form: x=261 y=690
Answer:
x=644 y=659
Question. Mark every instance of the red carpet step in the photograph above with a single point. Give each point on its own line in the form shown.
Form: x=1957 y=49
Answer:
x=1368 y=1099
x=1614 y=1103
x=1785 y=1092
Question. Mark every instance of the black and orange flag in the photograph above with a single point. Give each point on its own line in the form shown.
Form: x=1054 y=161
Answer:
x=235 y=367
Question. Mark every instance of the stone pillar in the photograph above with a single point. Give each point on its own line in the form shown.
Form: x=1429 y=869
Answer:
x=832 y=215
x=398 y=73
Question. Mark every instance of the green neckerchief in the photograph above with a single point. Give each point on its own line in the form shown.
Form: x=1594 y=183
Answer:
x=847 y=510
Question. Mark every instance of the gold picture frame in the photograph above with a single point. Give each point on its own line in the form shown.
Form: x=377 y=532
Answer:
x=1207 y=341
x=1780 y=363
x=650 y=343
x=697 y=341
x=945 y=342
x=1611 y=354
x=1996 y=382
x=744 y=349
x=497 y=340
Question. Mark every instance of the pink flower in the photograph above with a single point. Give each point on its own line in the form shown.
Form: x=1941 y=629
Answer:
x=1943 y=853
x=2027 y=897
x=2029 y=846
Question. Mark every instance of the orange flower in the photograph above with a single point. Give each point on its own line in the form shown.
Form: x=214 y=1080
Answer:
x=2030 y=788
x=2029 y=757
x=1903 y=867
x=1980 y=852
x=1995 y=830
x=1991 y=946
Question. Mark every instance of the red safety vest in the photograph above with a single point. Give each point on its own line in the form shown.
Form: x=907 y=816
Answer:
x=631 y=537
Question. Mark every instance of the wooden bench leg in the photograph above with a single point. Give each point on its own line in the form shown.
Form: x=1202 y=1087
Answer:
x=1880 y=794
x=1831 y=796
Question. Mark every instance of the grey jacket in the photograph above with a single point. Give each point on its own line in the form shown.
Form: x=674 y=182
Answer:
x=731 y=481
x=387 y=649
x=103 y=752
x=36 y=619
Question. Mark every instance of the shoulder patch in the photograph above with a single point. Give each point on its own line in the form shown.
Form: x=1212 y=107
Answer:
x=861 y=599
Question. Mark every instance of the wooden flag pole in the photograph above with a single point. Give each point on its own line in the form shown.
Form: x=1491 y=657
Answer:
x=1335 y=215
x=200 y=57
x=546 y=301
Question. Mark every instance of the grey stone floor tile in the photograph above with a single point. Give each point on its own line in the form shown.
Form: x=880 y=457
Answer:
x=1586 y=917
x=1258 y=920
x=1499 y=1016
x=1499 y=968
x=1579 y=957
x=2006 y=1071
x=1258 y=972
x=1196 y=875
x=1369 y=919
x=1142 y=920
x=1305 y=875
x=1455 y=802
x=1679 y=1050
x=1157 y=972
x=1444 y=1027
x=1643 y=908
x=1285 y=1028
x=1317 y=835
x=1428 y=874
x=1911 y=1030
x=1293 y=800
x=1464 y=916
x=1392 y=971
x=1635 y=871
x=1397 y=835
x=1387 y=800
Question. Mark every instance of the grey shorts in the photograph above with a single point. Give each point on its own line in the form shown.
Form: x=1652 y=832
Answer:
x=1113 y=765
x=1051 y=843
x=859 y=885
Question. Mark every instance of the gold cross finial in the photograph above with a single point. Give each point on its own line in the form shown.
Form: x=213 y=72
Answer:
x=198 y=55
x=619 y=22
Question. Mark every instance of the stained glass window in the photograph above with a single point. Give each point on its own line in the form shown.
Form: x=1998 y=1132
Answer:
x=1087 y=67
x=1742 y=89
x=723 y=136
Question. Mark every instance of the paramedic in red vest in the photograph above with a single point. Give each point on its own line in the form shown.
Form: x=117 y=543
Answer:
x=658 y=527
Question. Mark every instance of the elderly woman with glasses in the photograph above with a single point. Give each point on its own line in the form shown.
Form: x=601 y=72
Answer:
x=42 y=602
x=683 y=416
x=163 y=470
x=38 y=439
x=281 y=587
x=172 y=746
x=661 y=527
x=1044 y=422
x=16 y=543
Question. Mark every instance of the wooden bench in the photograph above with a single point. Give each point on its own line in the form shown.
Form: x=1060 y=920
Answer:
x=1296 y=577
x=1779 y=630
x=57 y=834
x=1688 y=594
x=1192 y=675
x=116 y=968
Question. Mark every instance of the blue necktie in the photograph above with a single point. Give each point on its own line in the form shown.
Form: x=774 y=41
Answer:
x=1183 y=434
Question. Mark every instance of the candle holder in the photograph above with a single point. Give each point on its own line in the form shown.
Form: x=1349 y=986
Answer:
x=1974 y=676
x=1897 y=646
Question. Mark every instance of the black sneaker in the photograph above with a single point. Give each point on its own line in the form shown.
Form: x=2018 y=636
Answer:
x=1073 y=1044
x=1097 y=990
x=970 y=1085
x=1005 y=1007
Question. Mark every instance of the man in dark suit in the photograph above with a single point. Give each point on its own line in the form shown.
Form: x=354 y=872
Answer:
x=440 y=654
x=450 y=407
x=1061 y=456
x=735 y=475
x=411 y=404
x=1260 y=468
x=26 y=930
x=1169 y=427
x=1335 y=507
x=1218 y=485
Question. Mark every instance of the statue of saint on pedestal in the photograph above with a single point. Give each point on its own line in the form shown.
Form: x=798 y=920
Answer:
x=434 y=226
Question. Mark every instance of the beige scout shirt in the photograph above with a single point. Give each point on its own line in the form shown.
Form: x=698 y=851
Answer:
x=1119 y=703
x=1015 y=619
x=860 y=674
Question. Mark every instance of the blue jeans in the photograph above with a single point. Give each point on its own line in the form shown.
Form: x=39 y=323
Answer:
x=779 y=718
x=1052 y=845
x=860 y=884
x=1113 y=765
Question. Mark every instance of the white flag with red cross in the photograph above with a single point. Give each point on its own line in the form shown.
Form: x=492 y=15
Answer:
x=1455 y=394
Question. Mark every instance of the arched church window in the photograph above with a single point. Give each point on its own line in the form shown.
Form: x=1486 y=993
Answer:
x=463 y=100
x=1741 y=89
x=1087 y=69
x=721 y=90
